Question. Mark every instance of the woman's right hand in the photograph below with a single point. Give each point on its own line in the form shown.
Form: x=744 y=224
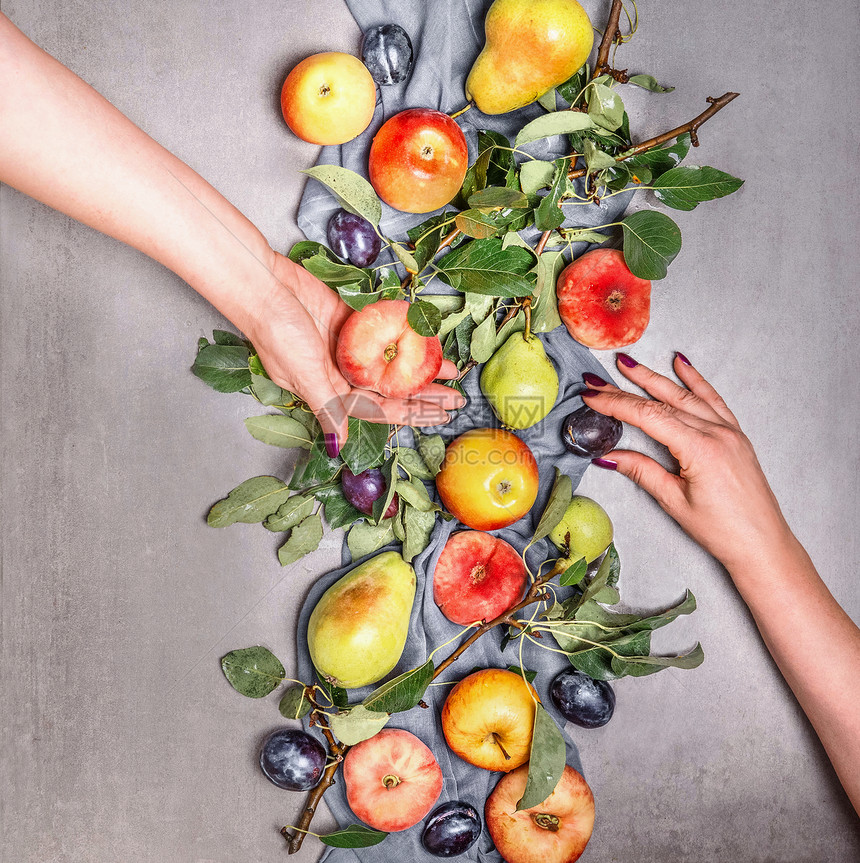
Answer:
x=720 y=497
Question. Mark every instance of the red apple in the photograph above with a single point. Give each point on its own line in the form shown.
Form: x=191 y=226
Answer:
x=328 y=98
x=478 y=577
x=488 y=719
x=418 y=160
x=603 y=305
x=392 y=780
x=489 y=478
x=555 y=831
x=378 y=350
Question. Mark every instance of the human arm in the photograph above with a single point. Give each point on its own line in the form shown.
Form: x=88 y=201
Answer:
x=722 y=500
x=65 y=145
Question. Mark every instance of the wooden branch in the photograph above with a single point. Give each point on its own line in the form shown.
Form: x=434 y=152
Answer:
x=447 y=240
x=716 y=104
x=610 y=34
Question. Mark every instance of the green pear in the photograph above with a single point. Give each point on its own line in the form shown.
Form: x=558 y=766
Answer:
x=520 y=382
x=585 y=530
x=357 y=630
x=532 y=46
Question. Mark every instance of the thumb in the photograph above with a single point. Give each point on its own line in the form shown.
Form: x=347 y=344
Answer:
x=329 y=409
x=648 y=474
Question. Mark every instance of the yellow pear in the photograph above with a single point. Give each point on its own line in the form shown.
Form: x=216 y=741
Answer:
x=358 y=629
x=532 y=46
x=520 y=382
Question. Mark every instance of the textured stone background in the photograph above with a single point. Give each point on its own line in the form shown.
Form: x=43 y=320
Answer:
x=121 y=740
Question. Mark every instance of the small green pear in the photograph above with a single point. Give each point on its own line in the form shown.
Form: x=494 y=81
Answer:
x=585 y=530
x=358 y=629
x=520 y=382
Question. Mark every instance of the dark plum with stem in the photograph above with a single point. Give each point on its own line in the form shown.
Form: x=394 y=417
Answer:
x=582 y=700
x=361 y=490
x=353 y=237
x=590 y=434
x=386 y=50
x=292 y=759
x=451 y=829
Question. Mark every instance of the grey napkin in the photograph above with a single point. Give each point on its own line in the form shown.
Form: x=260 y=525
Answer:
x=447 y=36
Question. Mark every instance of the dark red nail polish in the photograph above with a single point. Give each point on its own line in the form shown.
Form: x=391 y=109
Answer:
x=332 y=447
x=682 y=358
x=627 y=360
x=593 y=380
x=605 y=463
x=589 y=393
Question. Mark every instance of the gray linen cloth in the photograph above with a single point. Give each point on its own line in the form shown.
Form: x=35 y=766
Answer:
x=447 y=35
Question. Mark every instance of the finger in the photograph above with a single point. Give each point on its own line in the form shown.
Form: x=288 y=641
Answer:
x=693 y=380
x=663 y=389
x=664 y=487
x=439 y=394
x=371 y=406
x=448 y=371
x=328 y=406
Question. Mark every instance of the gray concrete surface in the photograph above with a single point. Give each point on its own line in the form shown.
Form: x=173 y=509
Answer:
x=121 y=740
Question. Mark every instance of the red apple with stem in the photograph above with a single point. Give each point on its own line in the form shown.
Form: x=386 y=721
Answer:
x=555 y=831
x=392 y=780
x=418 y=160
x=603 y=305
x=477 y=577
x=378 y=350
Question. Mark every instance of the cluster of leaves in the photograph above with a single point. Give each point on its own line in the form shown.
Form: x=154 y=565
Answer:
x=602 y=643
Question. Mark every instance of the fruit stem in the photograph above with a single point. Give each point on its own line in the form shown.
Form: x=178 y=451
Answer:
x=390 y=780
x=499 y=744
x=527 y=309
x=547 y=821
x=461 y=111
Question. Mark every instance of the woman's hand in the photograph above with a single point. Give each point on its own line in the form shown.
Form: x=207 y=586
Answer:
x=720 y=497
x=295 y=334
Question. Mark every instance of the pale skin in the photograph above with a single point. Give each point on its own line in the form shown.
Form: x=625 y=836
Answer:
x=721 y=498
x=65 y=145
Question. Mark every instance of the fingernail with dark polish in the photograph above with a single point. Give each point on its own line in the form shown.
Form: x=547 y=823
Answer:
x=589 y=393
x=682 y=358
x=627 y=360
x=594 y=380
x=332 y=447
x=605 y=463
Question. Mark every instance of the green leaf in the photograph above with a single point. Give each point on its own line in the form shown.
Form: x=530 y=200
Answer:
x=357 y=724
x=405 y=257
x=336 y=694
x=337 y=275
x=279 y=430
x=289 y=514
x=658 y=160
x=415 y=494
x=614 y=565
x=480 y=305
x=684 y=188
x=432 y=450
x=352 y=191
x=410 y=460
x=403 y=692
x=426 y=238
x=545 y=317
x=223 y=337
x=651 y=242
x=496 y=160
x=424 y=318
x=253 y=671
x=498 y=198
x=294 y=703
x=548 y=214
x=391 y=478
x=223 y=367
x=319 y=467
x=574 y=573
x=556 y=506
x=515 y=325
x=605 y=107
x=483 y=341
x=478 y=225
x=458 y=346
x=547 y=101
x=548 y=125
x=529 y=675
x=339 y=512
x=648 y=82
x=367 y=537
x=250 y=502
x=483 y=267
x=304 y=538
x=595 y=159
x=608 y=595
x=546 y=762
x=365 y=444
x=639 y=666
x=307 y=249
x=583 y=235
x=268 y=392
x=357 y=298
x=598 y=581
x=597 y=662
x=571 y=88
x=353 y=836
x=418 y=527
x=535 y=175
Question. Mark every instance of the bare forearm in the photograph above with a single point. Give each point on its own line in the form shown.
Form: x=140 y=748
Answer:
x=65 y=145
x=815 y=645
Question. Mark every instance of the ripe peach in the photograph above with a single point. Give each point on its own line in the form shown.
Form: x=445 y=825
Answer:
x=603 y=305
x=378 y=350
